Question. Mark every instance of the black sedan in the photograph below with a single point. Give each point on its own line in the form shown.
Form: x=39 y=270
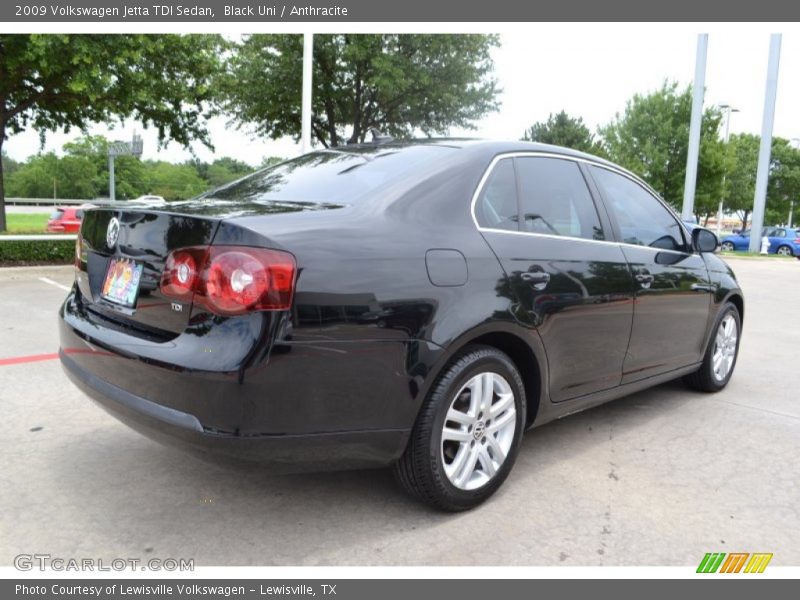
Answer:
x=416 y=304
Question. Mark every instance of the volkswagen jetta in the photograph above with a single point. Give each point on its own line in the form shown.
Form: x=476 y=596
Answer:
x=416 y=304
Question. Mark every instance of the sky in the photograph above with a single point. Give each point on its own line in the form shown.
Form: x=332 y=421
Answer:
x=589 y=70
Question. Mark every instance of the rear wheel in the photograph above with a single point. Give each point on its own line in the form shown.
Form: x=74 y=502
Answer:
x=468 y=432
x=720 y=358
x=728 y=246
x=784 y=251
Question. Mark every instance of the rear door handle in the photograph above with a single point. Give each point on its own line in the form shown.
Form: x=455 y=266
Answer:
x=644 y=278
x=539 y=279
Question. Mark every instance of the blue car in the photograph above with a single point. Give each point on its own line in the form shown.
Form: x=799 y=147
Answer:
x=782 y=240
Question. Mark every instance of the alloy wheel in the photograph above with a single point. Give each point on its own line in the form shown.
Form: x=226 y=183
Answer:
x=478 y=431
x=724 y=348
x=784 y=251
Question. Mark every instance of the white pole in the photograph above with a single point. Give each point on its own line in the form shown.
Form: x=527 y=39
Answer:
x=308 y=55
x=694 y=127
x=111 y=187
x=762 y=177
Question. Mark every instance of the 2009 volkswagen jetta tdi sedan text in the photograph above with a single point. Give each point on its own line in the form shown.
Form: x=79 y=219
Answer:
x=415 y=304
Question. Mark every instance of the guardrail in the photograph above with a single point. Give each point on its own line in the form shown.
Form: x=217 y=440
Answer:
x=46 y=201
x=38 y=237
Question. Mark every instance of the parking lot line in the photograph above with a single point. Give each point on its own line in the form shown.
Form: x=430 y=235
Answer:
x=55 y=283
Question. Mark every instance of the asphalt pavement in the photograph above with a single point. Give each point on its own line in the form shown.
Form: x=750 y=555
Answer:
x=658 y=478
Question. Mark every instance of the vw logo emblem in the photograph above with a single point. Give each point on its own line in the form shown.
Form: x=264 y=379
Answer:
x=479 y=430
x=112 y=233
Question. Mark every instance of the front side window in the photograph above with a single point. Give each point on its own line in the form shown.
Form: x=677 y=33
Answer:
x=555 y=200
x=497 y=206
x=642 y=219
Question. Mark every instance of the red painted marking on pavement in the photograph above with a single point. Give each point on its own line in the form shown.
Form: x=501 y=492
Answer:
x=19 y=360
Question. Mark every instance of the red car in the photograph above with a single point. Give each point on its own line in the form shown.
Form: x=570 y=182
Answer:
x=65 y=219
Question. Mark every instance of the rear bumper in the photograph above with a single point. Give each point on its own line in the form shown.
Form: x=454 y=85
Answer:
x=286 y=453
x=316 y=406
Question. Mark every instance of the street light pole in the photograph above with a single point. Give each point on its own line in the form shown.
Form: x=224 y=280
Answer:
x=762 y=175
x=728 y=110
x=693 y=153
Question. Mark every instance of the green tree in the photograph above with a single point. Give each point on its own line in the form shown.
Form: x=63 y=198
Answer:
x=270 y=161
x=224 y=170
x=11 y=164
x=562 y=130
x=740 y=184
x=651 y=138
x=130 y=175
x=50 y=82
x=50 y=176
x=175 y=182
x=783 y=188
x=395 y=83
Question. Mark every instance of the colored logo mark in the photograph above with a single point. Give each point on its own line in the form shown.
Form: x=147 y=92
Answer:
x=735 y=562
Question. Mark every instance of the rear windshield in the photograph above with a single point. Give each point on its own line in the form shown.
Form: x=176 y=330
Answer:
x=329 y=176
x=57 y=215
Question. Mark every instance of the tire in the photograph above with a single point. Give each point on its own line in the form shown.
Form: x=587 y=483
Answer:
x=706 y=378
x=784 y=251
x=727 y=247
x=437 y=471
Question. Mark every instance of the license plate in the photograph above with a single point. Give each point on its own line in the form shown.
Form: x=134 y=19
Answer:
x=122 y=281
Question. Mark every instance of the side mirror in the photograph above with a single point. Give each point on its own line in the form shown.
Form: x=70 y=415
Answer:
x=704 y=240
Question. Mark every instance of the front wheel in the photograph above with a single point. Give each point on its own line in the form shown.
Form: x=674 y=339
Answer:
x=728 y=247
x=467 y=435
x=784 y=251
x=721 y=354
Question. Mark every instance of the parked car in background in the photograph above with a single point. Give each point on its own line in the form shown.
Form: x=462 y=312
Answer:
x=149 y=199
x=784 y=241
x=415 y=304
x=65 y=219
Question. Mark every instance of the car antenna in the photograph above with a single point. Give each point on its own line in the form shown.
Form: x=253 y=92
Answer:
x=378 y=137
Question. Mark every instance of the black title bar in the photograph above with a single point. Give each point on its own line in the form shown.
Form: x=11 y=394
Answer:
x=351 y=11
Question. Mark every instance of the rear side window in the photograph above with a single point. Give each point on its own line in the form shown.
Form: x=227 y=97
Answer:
x=555 y=200
x=55 y=216
x=497 y=206
x=78 y=214
x=642 y=219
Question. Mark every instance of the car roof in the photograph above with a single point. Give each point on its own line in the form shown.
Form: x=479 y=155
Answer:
x=487 y=145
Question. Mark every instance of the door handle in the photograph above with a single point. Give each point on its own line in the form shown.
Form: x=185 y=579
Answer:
x=538 y=279
x=701 y=287
x=644 y=279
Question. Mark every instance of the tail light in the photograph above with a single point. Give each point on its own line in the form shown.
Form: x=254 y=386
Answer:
x=230 y=280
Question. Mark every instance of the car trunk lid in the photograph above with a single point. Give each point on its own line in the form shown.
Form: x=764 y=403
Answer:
x=144 y=238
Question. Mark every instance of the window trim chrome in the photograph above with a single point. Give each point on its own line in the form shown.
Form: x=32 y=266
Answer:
x=575 y=159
